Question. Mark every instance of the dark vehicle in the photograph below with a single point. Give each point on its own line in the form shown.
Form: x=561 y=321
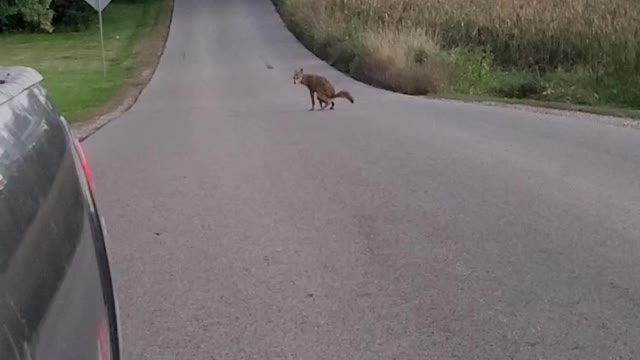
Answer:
x=56 y=293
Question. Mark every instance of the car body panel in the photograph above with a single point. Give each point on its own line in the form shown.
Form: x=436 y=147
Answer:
x=56 y=292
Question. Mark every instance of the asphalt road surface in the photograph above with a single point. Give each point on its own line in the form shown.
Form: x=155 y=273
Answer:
x=243 y=226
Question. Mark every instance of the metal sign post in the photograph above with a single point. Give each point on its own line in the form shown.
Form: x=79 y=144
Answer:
x=104 y=57
x=99 y=5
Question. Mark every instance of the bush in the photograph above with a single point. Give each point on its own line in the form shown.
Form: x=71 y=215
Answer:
x=517 y=85
x=71 y=15
x=44 y=15
x=29 y=15
x=620 y=89
x=472 y=72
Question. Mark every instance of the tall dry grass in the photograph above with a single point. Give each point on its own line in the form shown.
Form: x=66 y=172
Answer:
x=602 y=34
x=404 y=60
x=421 y=46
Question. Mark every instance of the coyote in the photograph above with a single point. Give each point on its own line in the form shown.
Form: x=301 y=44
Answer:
x=321 y=87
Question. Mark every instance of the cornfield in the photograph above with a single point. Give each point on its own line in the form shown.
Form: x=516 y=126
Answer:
x=601 y=35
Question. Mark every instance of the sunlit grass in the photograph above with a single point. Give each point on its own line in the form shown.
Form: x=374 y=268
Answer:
x=71 y=62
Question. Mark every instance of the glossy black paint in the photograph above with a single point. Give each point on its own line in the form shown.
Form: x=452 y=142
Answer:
x=55 y=284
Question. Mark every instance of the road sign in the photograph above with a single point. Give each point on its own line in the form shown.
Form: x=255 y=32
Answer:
x=99 y=5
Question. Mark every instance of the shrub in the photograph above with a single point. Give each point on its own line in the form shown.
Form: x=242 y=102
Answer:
x=71 y=15
x=44 y=15
x=32 y=15
x=517 y=85
x=472 y=72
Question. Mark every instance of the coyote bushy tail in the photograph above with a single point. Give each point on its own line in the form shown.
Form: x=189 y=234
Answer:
x=344 y=94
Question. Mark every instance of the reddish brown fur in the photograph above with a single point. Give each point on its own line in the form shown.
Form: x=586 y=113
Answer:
x=321 y=87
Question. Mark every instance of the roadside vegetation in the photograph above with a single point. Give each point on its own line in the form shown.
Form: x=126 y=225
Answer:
x=61 y=39
x=582 y=52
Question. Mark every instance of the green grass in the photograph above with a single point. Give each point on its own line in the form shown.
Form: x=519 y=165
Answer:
x=554 y=105
x=71 y=62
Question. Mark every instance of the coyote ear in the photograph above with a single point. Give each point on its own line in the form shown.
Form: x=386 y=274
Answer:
x=301 y=70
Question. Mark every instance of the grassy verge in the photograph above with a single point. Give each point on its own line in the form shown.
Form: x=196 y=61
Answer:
x=622 y=112
x=71 y=62
x=575 y=54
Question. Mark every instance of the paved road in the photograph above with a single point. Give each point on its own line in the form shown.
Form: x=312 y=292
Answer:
x=245 y=227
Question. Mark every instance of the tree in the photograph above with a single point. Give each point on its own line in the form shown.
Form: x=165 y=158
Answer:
x=26 y=14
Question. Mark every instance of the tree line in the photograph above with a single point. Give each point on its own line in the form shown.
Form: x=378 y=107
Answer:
x=46 y=15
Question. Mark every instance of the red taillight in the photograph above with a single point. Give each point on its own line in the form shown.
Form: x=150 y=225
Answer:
x=85 y=166
x=103 y=341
